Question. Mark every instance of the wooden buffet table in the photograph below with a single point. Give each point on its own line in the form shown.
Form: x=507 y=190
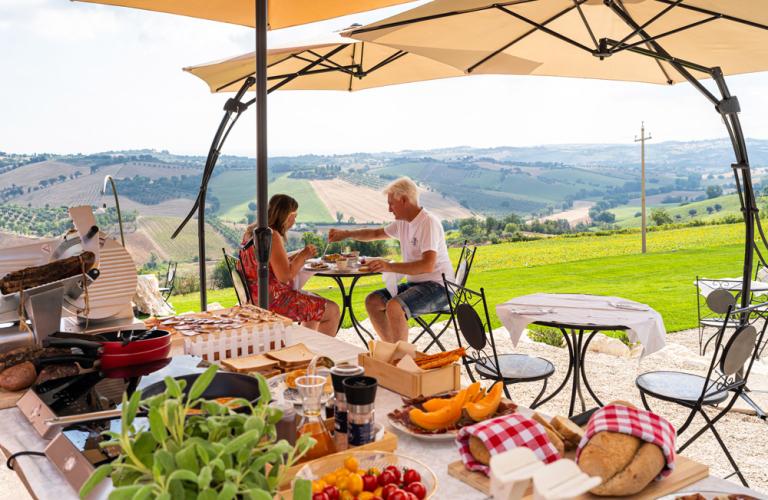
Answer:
x=43 y=481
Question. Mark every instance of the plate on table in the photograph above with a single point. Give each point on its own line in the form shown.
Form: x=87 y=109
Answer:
x=316 y=265
x=630 y=306
x=283 y=387
x=448 y=435
x=707 y=495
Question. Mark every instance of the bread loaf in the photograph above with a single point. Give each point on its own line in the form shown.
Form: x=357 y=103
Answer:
x=31 y=277
x=18 y=377
x=626 y=464
x=479 y=451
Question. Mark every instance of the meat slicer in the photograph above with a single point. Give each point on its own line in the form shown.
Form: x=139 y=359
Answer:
x=98 y=301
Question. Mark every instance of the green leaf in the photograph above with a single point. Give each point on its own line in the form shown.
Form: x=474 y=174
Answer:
x=164 y=460
x=204 y=478
x=156 y=425
x=176 y=489
x=187 y=459
x=228 y=491
x=129 y=414
x=202 y=382
x=145 y=492
x=254 y=423
x=241 y=441
x=207 y=494
x=173 y=387
x=144 y=445
x=259 y=494
x=125 y=492
x=164 y=496
x=264 y=395
x=183 y=475
x=302 y=489
x=96 y=477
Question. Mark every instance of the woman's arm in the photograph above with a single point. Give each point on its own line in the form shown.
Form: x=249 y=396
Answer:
x=286 y=268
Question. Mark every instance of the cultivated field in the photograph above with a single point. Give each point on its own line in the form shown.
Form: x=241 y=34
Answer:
x=578 y=214
x=30 y=175
x=184 y=247
x=369 y=205
x=625 y=215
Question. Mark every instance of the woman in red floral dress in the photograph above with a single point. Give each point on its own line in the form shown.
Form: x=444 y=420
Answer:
x=309 y=309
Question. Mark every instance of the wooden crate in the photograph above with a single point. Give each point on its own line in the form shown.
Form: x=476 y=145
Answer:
x=409 y=384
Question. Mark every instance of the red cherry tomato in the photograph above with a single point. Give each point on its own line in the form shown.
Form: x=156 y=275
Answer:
x=394 y=470
x=332 y=492
x=386 y=477
x=411 y=476
x=398 y=494
x=320 y=496
x=411 y=496
x=388 y=490
x=369 y=482
x=417 y=489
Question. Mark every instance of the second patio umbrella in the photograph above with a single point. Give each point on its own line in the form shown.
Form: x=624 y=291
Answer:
x=658 y=41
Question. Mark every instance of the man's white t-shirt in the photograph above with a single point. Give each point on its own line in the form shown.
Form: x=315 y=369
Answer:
x=423 y=234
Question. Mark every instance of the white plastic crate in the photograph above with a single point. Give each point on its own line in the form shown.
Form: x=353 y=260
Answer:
x=238 y=343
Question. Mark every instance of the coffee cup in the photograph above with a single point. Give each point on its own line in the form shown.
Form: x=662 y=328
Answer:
x=342 y=264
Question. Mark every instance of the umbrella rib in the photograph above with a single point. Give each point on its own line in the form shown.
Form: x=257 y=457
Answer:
x=307 y=68
x=665 y=34
x=651 y=20
x=547 y=30
x=586 y=23
x=719 y=14
x=354 y=50
x=524 y=35
x=390 y=59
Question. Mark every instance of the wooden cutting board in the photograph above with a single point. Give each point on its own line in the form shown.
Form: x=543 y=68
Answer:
x=686 y=472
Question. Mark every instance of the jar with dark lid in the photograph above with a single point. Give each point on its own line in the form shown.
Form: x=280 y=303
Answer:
x=339 y=374
x=360 y=393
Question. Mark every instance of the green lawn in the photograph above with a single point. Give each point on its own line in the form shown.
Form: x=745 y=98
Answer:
x=235 y=189
x=609 y=265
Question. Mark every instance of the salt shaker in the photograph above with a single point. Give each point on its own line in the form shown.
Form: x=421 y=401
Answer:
x=361 y=395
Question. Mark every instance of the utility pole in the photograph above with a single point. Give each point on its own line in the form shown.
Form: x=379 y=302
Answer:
x=642 y=140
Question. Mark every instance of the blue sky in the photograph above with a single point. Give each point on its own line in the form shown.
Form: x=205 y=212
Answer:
x=85 y=78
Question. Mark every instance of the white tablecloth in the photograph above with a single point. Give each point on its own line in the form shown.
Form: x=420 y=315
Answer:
x=643 y=324
x=47 y=483
x=148 y=298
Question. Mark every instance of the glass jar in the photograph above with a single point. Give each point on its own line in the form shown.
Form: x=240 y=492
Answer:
x=312 y=422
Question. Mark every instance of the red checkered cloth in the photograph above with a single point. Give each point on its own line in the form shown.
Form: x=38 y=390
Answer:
x=504 y=433
x=639 y=423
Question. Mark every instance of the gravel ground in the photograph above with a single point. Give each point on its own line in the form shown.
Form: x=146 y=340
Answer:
x=613 y=378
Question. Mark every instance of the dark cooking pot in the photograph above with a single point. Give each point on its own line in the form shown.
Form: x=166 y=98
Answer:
x=224 y=385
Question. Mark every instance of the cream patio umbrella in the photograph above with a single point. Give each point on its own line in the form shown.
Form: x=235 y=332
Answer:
x=262 y=15
x=656 y=41
x=332 y=63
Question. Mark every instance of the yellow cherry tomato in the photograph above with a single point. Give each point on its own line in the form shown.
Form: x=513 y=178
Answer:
x=345 y=495
x=342 y=472
x=330 y=479
x=355 y=484
x=377 y=491
x=318 y=485
x=341 y=483
x=351 y=464
x=366 y=495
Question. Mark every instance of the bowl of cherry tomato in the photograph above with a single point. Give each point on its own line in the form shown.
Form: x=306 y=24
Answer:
x=369 y=475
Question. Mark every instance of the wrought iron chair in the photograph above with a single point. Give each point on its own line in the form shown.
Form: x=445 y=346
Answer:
x=170 y=281
x=718 y=297
x=478 y=335
x=724 y=383
x=238 y=281
x=463 y=267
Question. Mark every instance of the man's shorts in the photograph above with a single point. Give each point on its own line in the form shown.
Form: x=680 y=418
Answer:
x=418 y=298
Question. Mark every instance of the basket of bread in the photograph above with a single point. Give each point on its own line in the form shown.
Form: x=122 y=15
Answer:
x=401 y=368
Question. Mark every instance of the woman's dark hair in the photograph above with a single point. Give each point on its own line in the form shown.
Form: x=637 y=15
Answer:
x=280 y=207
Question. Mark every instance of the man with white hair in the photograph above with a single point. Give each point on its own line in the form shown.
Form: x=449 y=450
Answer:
x=425 y=260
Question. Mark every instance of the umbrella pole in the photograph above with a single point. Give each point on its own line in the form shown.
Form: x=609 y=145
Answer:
x=262 y=234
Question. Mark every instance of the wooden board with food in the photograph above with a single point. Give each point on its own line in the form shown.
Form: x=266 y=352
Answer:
x=631 y=451
x=20 y=368
x=217 y=321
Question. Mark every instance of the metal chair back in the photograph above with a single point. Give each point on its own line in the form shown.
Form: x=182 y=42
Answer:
x=464 y=265
x=473 y=327
x=720 y=301
x=170 y=280
x=238 y=282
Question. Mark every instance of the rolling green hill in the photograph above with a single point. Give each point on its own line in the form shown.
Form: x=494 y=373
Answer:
x=184 y=247
x=625 y=215
x=236 y=188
